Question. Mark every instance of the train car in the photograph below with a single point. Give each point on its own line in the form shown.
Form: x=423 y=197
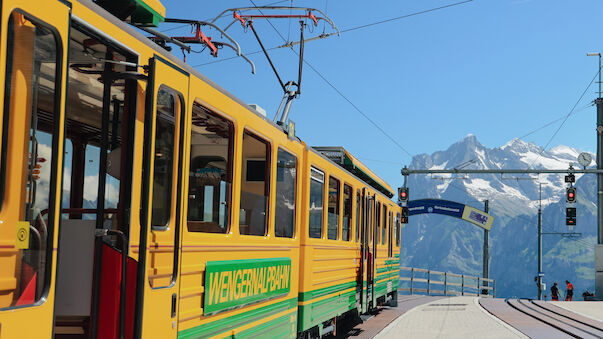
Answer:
x=349 y=261
x=138 y=199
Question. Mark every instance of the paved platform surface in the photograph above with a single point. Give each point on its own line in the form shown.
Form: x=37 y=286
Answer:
x=591 y=309
x=357 y=329
x=449 y=317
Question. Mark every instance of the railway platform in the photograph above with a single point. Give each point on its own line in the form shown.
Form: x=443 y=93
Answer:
x=474 y=317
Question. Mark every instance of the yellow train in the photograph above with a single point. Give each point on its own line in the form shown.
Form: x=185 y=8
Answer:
x=138 y=199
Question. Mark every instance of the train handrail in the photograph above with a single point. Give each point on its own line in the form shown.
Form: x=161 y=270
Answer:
x=464 y=284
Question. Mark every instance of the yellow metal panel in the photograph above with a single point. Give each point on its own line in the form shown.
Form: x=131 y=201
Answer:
x=200 y=248
x=16 y=322
x=157 y=318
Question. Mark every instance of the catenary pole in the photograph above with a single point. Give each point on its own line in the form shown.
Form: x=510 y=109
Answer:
x=539 y=277
x=599 y=103
x=486 y=256
x=598 y=251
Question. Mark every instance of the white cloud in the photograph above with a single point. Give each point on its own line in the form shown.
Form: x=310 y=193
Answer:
x=91 y=189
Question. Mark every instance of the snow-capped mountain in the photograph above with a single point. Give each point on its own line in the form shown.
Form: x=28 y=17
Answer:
x=519 y=193
x=444 y=243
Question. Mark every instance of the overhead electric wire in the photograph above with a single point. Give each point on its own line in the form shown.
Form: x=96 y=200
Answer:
x=185 y=25
x=406 y=16
x=355 y=28
x=341 y=94
x=358 y=109
x=554 y=121
x=566 y=117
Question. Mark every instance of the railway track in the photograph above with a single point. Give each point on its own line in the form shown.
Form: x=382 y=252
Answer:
x=538 y=319
x=561 y=320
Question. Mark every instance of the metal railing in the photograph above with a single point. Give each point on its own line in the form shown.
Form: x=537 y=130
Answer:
x=423 y=281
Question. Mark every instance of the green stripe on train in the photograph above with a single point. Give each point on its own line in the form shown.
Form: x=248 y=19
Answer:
x=281 y=327
x=305 y=296
x=320 y=311
x=238 y=320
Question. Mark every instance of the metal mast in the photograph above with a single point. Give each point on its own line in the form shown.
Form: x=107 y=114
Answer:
x=599 y=246
x=540 y=274
x=486 y=256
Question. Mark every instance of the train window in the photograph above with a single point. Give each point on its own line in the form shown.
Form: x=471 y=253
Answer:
x=254 y=187
x=333 y=216
x=31 y=100
x=377 y=222
x=369 y=219
x=68 y=160
x=168 y=103
x=397 y=230
x=347 y=213
x=286 y=175
x=384 y=225
x=210 y=172
x=315 y=220
x=357 y=215
x=389 y=234
x=92 y=155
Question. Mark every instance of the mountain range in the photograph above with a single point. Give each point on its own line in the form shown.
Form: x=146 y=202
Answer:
x=447 y=244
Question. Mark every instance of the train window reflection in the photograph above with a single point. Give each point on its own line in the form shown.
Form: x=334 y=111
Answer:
x=397 y=230
x=286 y=175
x=210 y=172
x=254 y=185
x=316 y=203
x=333 y=216
x=163 y=166
x=384 y=225
x=347 y=213
x=32 y=73
x=357 y=215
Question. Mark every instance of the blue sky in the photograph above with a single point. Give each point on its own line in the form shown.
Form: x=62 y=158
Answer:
x=498 y=69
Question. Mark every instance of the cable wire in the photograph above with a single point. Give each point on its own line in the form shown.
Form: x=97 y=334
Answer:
x=341 y=94
x=405 y=16
x=554 y=121
x=566 y=117
x=354 y=28
x=185 y=25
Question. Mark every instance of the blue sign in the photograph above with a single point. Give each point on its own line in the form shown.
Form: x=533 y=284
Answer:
x=451 y=208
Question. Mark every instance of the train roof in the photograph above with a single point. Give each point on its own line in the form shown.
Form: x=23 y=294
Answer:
x=343 y=158
x=337 y=154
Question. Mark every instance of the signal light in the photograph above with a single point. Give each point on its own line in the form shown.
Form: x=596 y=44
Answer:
x=570 y=216
x=403 y=194
x=570 y=194
x=404 y=217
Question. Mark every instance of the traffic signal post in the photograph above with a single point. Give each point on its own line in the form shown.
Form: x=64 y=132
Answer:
x=570 y=172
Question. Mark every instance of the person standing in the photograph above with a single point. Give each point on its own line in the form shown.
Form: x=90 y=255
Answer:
x=554 y=292
x=569 y=291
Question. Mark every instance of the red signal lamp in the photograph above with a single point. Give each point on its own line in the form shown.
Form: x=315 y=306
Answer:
x=403 y=194
x=570 y=195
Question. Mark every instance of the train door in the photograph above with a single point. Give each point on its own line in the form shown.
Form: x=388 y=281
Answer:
x=363 y=251
x=161 y=218
x=33 y=57
x=94 y=292
x=368 y=249
x=376 y=208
